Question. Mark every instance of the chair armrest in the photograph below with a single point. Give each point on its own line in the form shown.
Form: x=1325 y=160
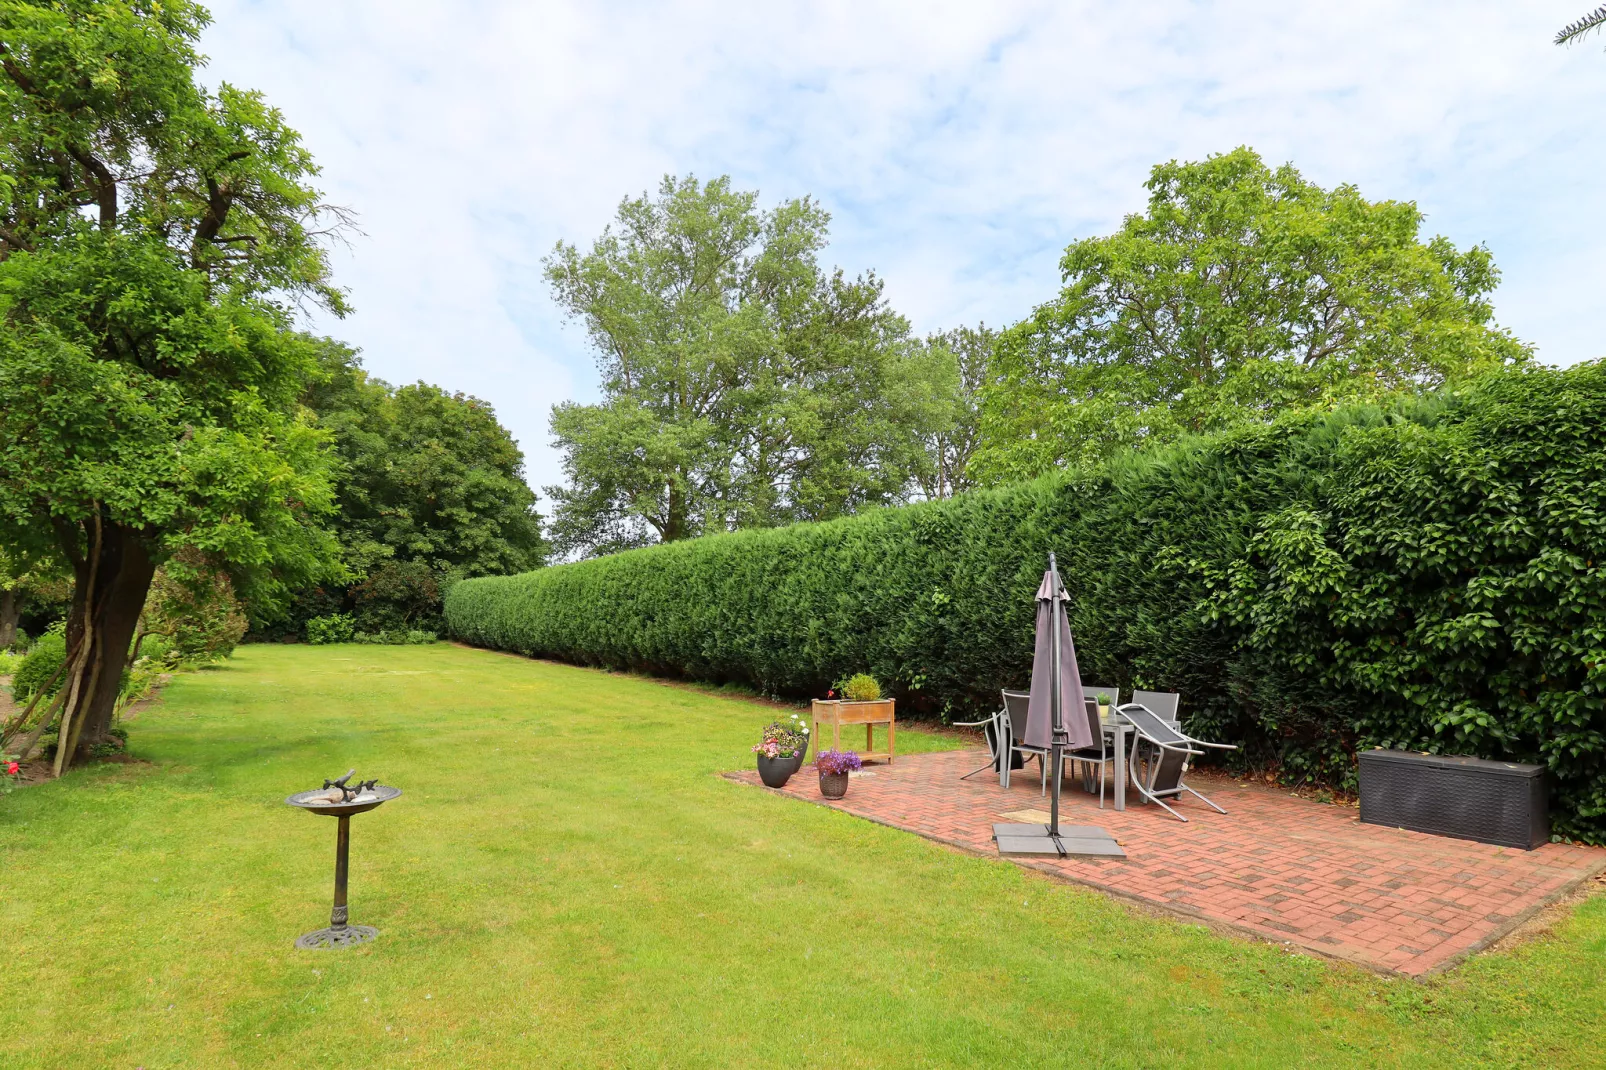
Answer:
x=970 y=724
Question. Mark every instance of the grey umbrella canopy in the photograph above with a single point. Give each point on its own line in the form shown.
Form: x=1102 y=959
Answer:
x=1041 y=714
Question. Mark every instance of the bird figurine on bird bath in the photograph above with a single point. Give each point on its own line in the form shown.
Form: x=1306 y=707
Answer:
x=339 y=798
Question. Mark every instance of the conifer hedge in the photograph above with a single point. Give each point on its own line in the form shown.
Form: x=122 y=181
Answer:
x=1426 y=575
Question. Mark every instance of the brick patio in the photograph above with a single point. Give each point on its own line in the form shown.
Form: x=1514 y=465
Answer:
x=1278 y=867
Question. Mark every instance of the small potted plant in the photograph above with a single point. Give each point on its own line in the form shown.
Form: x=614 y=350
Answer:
x=834 y=766
x=798 y=725
x=780 y=754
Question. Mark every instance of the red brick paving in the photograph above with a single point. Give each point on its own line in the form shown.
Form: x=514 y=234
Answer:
x=1283 y=868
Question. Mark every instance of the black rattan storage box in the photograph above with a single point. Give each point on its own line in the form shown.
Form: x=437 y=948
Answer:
x=1470 y=798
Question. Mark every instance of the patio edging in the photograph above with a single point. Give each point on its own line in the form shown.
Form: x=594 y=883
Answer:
x=1192 y=915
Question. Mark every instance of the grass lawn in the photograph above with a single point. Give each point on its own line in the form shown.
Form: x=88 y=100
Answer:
x=567 y=882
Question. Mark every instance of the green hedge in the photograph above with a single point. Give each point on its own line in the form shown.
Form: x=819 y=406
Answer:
x=1424 y=576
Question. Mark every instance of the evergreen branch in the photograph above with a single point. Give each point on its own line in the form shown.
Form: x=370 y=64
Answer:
x=1577 y=31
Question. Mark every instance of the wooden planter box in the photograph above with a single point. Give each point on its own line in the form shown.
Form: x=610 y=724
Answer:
x=834 y=713
x=1505 y=803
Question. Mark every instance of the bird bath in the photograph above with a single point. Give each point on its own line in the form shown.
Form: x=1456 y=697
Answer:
x=336 y=799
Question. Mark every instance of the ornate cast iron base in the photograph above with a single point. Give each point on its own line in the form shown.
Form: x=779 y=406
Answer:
x=330 y=938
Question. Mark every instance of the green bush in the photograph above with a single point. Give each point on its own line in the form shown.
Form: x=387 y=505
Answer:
x=1428 y=575
x=335 y=628
x=860 y=687
x=38 y=666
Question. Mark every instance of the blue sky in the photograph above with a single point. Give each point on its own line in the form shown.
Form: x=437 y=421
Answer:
x=959 y=147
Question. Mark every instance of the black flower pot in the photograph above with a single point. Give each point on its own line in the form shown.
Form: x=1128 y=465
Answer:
x=833 y=785
x=775 y=772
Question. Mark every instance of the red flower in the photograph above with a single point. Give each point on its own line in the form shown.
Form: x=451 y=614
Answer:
x=11 y=768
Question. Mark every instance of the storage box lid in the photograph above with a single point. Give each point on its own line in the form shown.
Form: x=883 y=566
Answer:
x=1452 y=761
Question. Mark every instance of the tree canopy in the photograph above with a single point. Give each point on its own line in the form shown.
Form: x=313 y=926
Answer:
x=429 y=486
x=155 y=239
x=1240 y=293
x=743 y=384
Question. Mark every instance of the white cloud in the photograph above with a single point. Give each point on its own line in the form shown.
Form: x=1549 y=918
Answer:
x=959 y=146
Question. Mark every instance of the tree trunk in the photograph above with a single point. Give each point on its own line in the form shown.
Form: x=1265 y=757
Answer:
x=107 y=600
x=9 y=612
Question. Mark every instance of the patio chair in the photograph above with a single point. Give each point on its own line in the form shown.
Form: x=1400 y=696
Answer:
x=1015 y=704
x=1096 y=756
x=1163 y=703
x=995 y=733
x=1166 y=764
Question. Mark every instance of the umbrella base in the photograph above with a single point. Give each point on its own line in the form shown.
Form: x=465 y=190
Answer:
x=1074 y=841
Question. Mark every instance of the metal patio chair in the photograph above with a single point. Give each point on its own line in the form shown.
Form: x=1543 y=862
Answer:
x=1096 y=756
x=994 y=733
x=1002 y=730
x=1163 y=703
x=1015 y=704
x=1159 y=774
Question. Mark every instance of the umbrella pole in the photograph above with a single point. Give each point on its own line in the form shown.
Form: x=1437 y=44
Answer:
x=1056 y=702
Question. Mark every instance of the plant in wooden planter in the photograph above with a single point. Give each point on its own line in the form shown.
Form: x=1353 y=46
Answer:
x=857 y=700
x=834 y=767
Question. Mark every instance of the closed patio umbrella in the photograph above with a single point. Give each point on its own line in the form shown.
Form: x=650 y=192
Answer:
x=1056 y=719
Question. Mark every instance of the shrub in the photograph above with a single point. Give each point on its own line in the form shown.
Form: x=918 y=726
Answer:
x=38 y=666
x=335 y=628
x=860 y=687
x=192 y=603
x=1429 y=574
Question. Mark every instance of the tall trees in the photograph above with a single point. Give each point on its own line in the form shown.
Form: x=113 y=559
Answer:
x=743 y=384
x=961 y=360
x=429 y=486
x=1242 y=292
x=154 y=238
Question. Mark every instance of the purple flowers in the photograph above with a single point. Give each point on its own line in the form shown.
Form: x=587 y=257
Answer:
x=835 y=762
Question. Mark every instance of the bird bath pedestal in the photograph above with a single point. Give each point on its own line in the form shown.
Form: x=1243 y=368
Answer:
x=337 y=800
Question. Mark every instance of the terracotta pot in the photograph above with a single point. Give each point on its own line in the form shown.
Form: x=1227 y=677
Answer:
x=833 y=785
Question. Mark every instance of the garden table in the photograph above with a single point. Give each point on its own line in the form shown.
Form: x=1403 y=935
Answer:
x=1120 y=732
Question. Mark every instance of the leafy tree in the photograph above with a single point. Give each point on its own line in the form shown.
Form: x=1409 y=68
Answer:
x=1242 y=292
x=1577 y=31
x=962 y=359
x=430 y=487
x=744 y=385
x=155 y=238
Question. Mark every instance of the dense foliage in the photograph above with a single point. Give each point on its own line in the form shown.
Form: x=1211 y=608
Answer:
x=156 y=236
x=429 y=488
x=1241 y=293
x=744 y=385
x=1426 y=574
